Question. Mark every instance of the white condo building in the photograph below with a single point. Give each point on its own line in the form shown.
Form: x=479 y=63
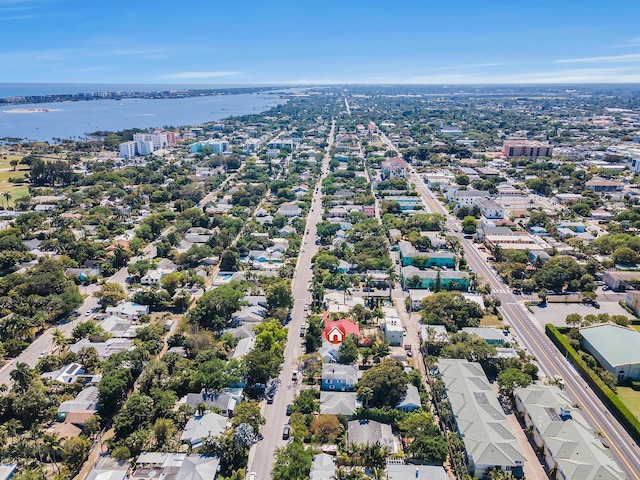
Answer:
x=159 y=140
x=128 y=150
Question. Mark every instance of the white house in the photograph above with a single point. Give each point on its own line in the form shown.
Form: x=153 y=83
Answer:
x=128 y=310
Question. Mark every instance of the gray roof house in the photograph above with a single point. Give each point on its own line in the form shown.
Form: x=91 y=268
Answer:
x=252 y=314
x=339 y=403
x=174 y=466
x=71 y=373
x=323 y=467
x=204 y=426
x=244 y=346
x=128 y=310
x=480 y=420
x=107 y=468
x=615 y=347
x=339 y=377
x=411 y=400
x=226 y=400
x=105 y=349
x=570 y=445
x=290 y=210
x=252 y=300
x=370 y=431
x=86 y=400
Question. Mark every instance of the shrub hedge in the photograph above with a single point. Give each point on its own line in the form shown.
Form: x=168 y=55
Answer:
x=611 y=400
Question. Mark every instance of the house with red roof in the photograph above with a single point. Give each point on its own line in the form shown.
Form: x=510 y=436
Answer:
x=336 y=331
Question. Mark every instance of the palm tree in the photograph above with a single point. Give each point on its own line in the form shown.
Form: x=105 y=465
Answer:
x=59 y=340
x=22 y=375
x=12 y=425
x=53 y=447
x=35 y=435
x=7 y=197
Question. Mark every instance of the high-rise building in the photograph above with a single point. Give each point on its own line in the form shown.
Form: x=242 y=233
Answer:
x=128 y=150
x=526 y=148
x=157 y=139
x=144 y=148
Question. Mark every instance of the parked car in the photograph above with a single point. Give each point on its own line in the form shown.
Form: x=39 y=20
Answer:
x=596 y=304
x=288 y=412
x=286 y=431
x=43 y=354
x=253 y=476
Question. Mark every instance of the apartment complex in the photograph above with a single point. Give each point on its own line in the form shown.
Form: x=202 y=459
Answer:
x=526 y=148
x=489 y=442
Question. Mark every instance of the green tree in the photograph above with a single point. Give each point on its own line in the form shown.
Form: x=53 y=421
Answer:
x=249 y=413
x=292 y=462
x=306 y=402
x=229 y=261
x=511 y=378
x=215 y=307
x=625 y=256
x=262 y=366
x=171 y=282
x=279 y=294
x=348 y=351
x=573 y=319
x=387 y=381
x=430 y=449
x=110 y=294
x=75 y=451
x=469 y=225
x=162 y=429
x=326 y=428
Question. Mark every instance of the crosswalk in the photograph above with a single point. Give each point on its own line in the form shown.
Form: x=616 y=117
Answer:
x=500 y=290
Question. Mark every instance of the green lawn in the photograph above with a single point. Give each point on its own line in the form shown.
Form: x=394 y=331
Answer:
x=630 y=398
x=6 y=172
x=491 y=321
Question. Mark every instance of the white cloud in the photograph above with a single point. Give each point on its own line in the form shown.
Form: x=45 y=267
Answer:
x=634 y=42
x=193 y=75
x=631 y=57
x=560 y=76
x=472 y=65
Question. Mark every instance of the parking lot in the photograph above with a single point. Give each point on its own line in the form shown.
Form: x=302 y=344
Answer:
x=555 y=313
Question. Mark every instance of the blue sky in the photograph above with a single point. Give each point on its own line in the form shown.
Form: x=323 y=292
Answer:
x=347 y=41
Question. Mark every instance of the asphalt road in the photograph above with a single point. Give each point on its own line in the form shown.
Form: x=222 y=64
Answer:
x=532 y=337
x=261 y=456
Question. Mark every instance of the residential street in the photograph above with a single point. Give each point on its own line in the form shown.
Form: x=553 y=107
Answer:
x=261 y=456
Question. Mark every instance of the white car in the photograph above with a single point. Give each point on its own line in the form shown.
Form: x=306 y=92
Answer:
x=43 y=354
x=253 y=476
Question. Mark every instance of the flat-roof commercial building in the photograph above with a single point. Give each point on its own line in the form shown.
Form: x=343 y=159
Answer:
x=526 y=148
x=480 y=420
x=616 y=348
x=571 y=447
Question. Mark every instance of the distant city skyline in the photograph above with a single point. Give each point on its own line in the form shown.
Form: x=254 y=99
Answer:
x=330 y=42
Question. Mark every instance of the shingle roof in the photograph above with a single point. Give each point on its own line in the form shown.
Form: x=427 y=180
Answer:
x=571 y=441
x=481 y=422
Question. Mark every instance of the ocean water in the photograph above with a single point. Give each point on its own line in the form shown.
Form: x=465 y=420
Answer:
x=77 y=119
